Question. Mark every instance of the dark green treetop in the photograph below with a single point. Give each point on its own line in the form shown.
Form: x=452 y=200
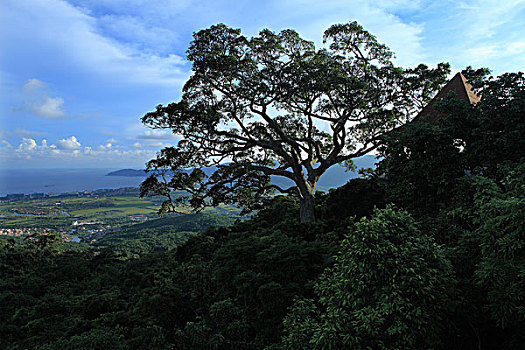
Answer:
x=388 y=289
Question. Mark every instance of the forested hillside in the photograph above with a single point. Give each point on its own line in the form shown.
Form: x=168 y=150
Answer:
x=427 y=252
x=160 y=235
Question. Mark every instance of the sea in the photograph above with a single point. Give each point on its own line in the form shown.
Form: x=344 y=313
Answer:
x=28 y=181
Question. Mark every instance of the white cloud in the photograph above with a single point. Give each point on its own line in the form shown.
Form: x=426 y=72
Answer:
x=160 y=144
x=157 y=135
x=51 y=107
x=27 y=145
x=70 y=143
x=38 y=101
x=75 y=38
x=486 y=17
x=69 y=152
x=480 y=33
x=157 y=11
x=145 y=41
x=137 y=32
x=34 y=85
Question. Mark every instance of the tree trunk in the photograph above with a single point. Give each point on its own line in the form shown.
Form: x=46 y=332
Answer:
x=306 y=208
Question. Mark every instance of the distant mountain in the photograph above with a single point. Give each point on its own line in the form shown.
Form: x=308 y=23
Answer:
x=128 y=173
x=334 y=177
x=338 y=175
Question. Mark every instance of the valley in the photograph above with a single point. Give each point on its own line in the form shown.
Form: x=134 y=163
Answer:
x=90 y=217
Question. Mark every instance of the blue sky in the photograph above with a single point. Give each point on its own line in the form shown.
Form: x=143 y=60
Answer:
x=76 y=76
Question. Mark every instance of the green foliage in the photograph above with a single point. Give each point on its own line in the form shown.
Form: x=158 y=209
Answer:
x=421 y=165
x=258 y=102
x=423 y=161
x=388 y=289
x=459 y=177
x=257 y=267
x=94 y=340
x=160 y=234
x=448 y=275
x=357 y=197
x=494 y=130
x=500 y=216
x=228 y=287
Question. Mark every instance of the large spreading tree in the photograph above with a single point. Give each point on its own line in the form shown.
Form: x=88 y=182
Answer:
x=275 y=106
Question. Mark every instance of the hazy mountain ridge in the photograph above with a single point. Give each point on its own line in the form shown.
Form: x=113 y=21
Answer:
x=128 y=173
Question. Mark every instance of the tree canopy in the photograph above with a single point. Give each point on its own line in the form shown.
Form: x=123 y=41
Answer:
x=387 y=290
x=423 y=162
x=274 y=105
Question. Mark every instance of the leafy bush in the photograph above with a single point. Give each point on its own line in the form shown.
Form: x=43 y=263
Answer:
x=389 y=289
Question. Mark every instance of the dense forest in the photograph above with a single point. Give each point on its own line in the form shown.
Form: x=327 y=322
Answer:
x=425 y=252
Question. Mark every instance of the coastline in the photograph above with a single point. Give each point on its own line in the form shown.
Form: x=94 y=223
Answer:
x=52 y=182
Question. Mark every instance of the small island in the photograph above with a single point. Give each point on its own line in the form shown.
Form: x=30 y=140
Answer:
x=128 y=173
